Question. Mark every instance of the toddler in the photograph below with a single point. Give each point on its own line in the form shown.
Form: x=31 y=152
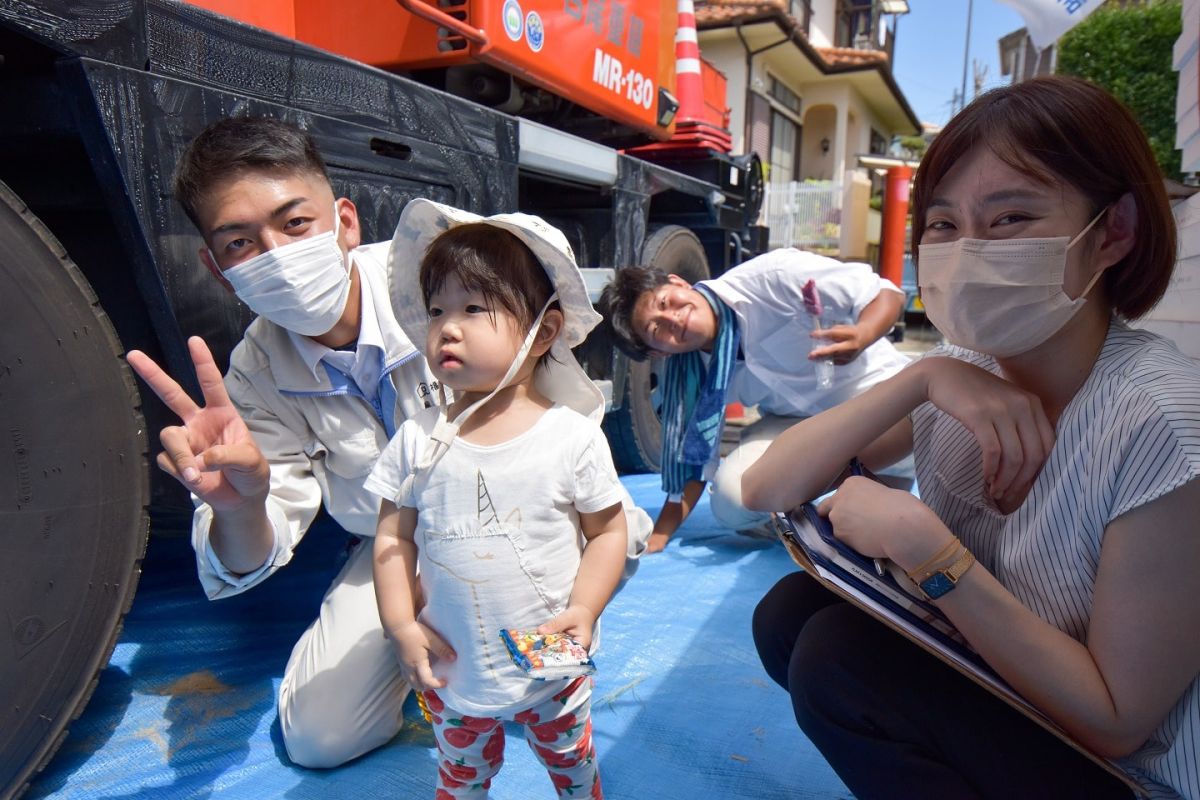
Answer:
x=505 y=502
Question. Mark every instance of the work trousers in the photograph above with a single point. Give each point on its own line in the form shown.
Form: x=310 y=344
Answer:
x=895 y=722
x=725 y=501
x=559 y=729
x=342 y=691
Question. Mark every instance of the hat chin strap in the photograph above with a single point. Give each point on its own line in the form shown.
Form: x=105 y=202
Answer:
x=445 y=431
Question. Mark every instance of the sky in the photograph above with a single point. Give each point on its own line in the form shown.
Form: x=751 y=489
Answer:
x=930 y=39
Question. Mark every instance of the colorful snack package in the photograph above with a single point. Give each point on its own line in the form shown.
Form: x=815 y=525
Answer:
x=547 y=656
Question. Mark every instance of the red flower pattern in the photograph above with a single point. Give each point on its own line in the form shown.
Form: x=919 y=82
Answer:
x=462 y=772
x=464 y=732
x=446 y=780
x=493 y=750
x=552 y=759
x=563 y=783
x=459 y=737
x=529 y=717
x=477 y=724
x=562 y=696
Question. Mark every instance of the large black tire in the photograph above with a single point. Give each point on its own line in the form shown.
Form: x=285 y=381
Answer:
x=634 y=429
x=73 y=492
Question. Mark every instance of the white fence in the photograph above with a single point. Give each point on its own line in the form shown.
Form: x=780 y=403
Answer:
x=806 y=215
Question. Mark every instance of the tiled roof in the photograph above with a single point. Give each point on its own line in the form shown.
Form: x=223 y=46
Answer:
x=833 y=61
x=714 y=13
x=849 y=56
x=719 y=13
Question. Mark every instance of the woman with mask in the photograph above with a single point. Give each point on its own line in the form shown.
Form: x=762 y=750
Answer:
x=1056 y=452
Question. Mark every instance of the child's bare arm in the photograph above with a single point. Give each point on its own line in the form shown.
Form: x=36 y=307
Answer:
x=395 y=565
x=599 y=573
x=396 y=591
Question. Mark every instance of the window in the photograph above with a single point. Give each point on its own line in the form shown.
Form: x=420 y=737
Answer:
x=773 y=128
x=784 y=140
x=879 y=145
x=852 y=24
x=801 y=12
x=782 y=109
x=785 y=96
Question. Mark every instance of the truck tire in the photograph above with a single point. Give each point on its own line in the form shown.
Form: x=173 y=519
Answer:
x=634 y=429
x=73 y=492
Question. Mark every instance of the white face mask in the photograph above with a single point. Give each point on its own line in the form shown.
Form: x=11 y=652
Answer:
x=1001 y=297
x=302 y=286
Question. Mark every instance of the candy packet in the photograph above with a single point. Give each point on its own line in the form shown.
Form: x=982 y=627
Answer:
x=547 y=656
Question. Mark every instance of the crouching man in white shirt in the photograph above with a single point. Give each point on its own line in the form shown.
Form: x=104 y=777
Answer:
x=789 y=314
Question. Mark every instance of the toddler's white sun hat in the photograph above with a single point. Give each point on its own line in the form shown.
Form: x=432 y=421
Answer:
x=560 y=378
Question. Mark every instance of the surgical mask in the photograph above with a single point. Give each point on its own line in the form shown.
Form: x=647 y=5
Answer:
x=1001 y=297
x=302 y=286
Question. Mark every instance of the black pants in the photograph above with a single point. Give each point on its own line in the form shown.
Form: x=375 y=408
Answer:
x=894 y=722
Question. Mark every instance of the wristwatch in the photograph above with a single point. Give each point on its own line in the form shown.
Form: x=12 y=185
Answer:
x=943 y=580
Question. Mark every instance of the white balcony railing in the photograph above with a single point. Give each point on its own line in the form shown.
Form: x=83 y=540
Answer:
x=805 y=215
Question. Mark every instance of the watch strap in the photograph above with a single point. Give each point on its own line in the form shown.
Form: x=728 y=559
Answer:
x=941 y=581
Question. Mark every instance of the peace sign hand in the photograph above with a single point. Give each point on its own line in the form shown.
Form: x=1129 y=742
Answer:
x=213 y=453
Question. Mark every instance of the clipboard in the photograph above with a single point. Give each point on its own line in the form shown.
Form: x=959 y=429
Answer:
x=809 y=540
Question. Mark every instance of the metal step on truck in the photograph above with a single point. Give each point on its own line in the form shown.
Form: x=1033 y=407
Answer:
x=576 y=110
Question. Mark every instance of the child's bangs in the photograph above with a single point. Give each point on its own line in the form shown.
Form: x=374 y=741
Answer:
x=449 y=256
x=489 y=260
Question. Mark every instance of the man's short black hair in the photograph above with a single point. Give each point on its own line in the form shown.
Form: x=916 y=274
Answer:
x=618 y=301
x=241 y=144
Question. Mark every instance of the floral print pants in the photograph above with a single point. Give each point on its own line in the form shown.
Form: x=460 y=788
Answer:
x=471 y=749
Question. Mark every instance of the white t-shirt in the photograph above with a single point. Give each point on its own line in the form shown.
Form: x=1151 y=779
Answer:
x=765 y=294
x=1130 y=435
x=498 y=542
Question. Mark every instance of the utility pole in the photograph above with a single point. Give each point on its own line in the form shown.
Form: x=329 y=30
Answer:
x=980 y=73
x=966 y=54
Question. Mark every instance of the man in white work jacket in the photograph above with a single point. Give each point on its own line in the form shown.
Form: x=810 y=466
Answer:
x=313 y=392
x=787 y=311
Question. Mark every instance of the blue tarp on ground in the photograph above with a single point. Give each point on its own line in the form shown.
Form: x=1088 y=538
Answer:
x=682 y=707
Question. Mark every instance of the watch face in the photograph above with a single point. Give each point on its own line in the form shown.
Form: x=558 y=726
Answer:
x=936 y=585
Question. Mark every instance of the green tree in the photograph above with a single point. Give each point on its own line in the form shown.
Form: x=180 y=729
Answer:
x=1127 y=49
x=914 y=146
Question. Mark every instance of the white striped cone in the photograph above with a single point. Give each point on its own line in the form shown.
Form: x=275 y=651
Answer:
x=688 y=87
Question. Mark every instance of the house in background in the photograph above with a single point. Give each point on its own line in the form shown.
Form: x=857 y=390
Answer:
x=1177 y=315
x=810 y=90
x=1020 y=59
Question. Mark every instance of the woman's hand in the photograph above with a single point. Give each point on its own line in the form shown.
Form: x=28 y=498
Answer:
x=1009 y=424
x=880 y=522
x=577 y=622
x=417 y=648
